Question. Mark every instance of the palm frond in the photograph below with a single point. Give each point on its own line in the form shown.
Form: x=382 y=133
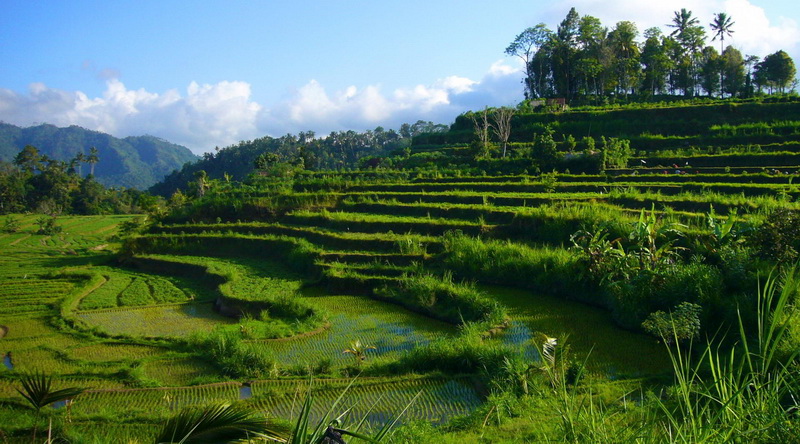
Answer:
x=37 y=390
x=221 y=423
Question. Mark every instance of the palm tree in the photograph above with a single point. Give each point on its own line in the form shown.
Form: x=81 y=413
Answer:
x=359 y=351
x=36 y=389
x=682 y=21
x=79 y=159
x=92 y=159
x=722 y=25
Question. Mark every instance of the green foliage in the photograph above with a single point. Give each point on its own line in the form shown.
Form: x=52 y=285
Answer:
x=778 y=237
x=11 y=224
x=725 y=394
x=48 y=225
x=232 y=355
x=546 y=270
x=681 y=324
x=545 y=150
x=442 y=298
x=222 y=423
x=549 y=181
x=37 y=390
x=615 y=152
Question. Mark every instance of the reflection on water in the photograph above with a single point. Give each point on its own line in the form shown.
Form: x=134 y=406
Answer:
x=387 y=327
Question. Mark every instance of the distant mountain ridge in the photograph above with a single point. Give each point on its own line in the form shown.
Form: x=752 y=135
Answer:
x=132 y=162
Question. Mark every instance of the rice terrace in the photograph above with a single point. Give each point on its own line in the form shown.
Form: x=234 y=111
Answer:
x=612 y=260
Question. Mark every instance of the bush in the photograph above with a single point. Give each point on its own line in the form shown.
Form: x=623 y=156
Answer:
x=227 y=350
x=11 y=224
x=48 y=226
x=778 y=238
x=682 y=324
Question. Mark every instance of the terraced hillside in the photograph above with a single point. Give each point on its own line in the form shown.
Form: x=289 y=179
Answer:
x=467 y=287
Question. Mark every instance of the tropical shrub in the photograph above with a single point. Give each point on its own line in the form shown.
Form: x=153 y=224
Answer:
x=681 y=324
x=778 y=237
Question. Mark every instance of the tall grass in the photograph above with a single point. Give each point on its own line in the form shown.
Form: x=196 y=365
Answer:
x=543 y=269
x=442 y=298
x=749 y=391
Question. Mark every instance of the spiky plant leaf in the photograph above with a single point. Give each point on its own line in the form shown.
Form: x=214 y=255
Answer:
x=222 y=423
x=37 y=390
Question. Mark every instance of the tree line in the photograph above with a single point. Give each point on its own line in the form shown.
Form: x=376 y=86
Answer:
x=291 y=153
x=34 y=182
x=583 y=59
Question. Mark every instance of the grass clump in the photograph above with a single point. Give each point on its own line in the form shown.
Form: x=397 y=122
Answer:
x=442 y=298
x=232 y=355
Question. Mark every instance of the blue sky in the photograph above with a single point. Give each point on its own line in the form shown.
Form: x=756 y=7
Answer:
x=211 y=73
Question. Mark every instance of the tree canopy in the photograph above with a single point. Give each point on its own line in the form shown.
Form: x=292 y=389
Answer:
x=583 y=59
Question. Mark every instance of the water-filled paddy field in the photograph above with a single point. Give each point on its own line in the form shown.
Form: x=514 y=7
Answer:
x=607 y=349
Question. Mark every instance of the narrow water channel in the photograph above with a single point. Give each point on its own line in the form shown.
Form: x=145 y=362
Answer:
x=245 y=392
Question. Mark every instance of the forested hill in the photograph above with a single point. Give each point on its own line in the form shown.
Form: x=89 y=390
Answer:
x=304 y=151
x=133 y=162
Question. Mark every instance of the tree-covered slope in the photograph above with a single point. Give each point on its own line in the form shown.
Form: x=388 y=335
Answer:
x=134 y=162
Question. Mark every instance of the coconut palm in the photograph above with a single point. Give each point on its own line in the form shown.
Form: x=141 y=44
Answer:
x=359 y=351
x=92 y=159
x=79 y=159
x=722 y=25
x=681 y=21
x=37 y=390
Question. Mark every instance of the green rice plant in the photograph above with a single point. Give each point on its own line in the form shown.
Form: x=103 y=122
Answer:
x=611 y=351
x=43 y=360
x=137 y=293
x=175 y=320
x=165 y=291
x=151 y=404
x=410 y=244
x=390 y=329
x=105 y=352
x=544 y=269
x=175 y=372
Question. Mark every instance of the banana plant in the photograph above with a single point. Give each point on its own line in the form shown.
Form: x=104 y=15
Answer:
x=359 y=351
x=654 y=241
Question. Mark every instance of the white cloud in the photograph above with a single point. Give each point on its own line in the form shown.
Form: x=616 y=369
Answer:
x=754 y=32
x=311 y=107
x=207 y=115
x=221 y=114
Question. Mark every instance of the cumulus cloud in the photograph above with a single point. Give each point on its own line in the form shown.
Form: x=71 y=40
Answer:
x=204 y=117
x=312 y=107
x=209 y=115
